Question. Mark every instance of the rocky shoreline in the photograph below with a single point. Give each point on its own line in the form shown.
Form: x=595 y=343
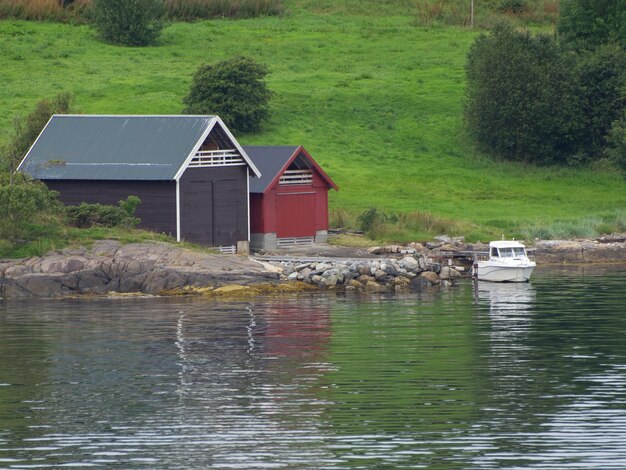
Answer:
x=164 y=269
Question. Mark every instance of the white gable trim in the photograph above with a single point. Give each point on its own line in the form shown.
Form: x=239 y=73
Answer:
x=192 y=154
x=245 y=156
x=31 y=147
x=195 y=149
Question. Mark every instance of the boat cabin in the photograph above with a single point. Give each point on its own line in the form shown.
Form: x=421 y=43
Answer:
x=507 y=249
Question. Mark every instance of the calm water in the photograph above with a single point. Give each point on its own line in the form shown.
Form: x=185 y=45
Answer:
x=505 y=376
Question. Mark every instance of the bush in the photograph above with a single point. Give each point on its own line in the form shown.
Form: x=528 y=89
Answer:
x=28 y=129
x=371 y=222
x=586 y=24
x=601 y=81
x=99 y=215
x=512 y=6
x=128 y=22
x=232 y=89
x=616 y=144
x=521 y=97
x=22 y=201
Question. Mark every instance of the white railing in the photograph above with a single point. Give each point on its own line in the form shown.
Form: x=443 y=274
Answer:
x=205 y=158
x=296 y=177
x=292 y=241
x=227 y=249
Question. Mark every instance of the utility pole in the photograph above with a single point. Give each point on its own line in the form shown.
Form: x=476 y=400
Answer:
x=472 y=14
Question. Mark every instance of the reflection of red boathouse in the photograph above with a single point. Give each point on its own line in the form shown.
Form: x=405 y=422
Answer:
x=296 y=331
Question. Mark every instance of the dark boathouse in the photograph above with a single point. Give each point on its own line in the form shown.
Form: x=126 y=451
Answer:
x=189 y=171
x=289 y=202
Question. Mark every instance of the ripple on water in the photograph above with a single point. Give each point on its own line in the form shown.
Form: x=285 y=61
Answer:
x=492 y=376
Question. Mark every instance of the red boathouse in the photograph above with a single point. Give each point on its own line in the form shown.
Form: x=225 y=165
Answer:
x=289 y=202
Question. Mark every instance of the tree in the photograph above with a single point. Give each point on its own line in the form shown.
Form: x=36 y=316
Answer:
x=616 y=143
x=128 y=22
x=601 y=81
x=587 y=24
x=232 y=89
x=521 y=97
x=28 y=129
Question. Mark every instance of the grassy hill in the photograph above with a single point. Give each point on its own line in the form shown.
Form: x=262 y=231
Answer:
x=376 y=99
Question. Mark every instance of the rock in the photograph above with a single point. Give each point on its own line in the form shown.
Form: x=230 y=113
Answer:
x=321 y=267
x=380 y=274
x=433 y=245
x=372 y=286
x=449 y=247
x=400 y=281
x=391 y=270
x=409 y=263
x=350 y=289
x=330 y=281
x=449 y=273
x=293 y=276
x=16 y=271
x=364 y=270
x=430 y=276
x=364 y=278
x=316 y=279
x=354 y=283
x=376 y=250
x=418 y=283
x=434 y=267
x=306 y=272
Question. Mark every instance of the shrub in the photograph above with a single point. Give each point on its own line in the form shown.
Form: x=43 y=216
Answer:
x=521 y=97
x=371 y=222
x=601 y=81
x=100 y=215
x=28 y=129
x=512 y=6
x=22 y=201
x=232 y=89
x=616 y=143
x=587 y=24
x=128 y=22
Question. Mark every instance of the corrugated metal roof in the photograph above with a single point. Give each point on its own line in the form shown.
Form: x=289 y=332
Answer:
x=92 y=147
x=269 y=160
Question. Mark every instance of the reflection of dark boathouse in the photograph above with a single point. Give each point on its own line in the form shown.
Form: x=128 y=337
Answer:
x=289 y=202
x=189 y=171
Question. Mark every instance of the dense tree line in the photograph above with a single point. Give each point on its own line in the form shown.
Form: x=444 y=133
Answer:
x=552 y=99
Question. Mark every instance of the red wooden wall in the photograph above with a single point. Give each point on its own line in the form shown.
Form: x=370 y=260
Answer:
x=291 y=210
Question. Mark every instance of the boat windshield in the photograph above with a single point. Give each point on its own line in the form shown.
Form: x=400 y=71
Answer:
x=506 y=252
x=514 y=252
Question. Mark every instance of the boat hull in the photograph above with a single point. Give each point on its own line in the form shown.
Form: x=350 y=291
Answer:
x=499 y=273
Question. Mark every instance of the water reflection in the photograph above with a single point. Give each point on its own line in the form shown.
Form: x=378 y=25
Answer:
x=505 y=376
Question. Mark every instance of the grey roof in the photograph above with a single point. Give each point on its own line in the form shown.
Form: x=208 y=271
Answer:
x=269 y=160
x=95 y=147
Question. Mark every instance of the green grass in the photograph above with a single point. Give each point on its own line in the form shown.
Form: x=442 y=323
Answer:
x=377 y=101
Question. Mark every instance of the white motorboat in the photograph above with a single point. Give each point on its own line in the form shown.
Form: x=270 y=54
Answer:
x=507 y=261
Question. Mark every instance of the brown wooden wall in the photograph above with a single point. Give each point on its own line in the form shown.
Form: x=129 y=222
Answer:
x=214 y=205
x=157 y=210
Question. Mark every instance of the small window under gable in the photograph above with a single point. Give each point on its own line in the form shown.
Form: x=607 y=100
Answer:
x=217 y=150
x=299 y=172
